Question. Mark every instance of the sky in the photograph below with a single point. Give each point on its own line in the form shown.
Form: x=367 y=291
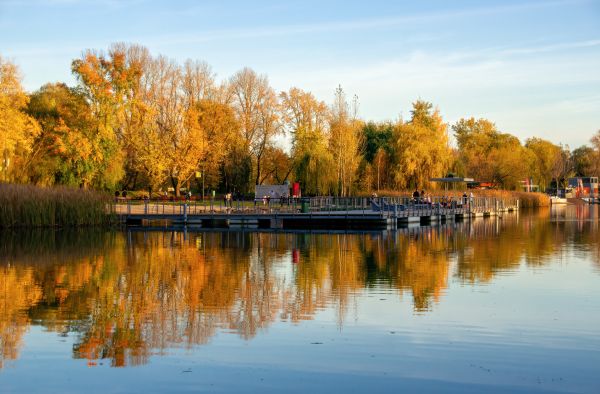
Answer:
x=532 y=67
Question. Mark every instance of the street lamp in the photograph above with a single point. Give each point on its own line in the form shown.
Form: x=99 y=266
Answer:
x=200 y=174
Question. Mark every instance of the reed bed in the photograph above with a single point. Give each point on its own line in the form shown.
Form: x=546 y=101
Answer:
x=526 y=200
x=26 y=206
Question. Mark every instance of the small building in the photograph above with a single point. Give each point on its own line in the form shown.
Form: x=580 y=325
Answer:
x=452 y=181
x=271 y=191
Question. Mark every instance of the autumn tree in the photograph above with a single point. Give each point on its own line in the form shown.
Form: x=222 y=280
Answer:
x=545 y=156
x=489 y=155
x=595 y=140
x=66 y=151
x=344 y=141
x=221 y=130
x=306 y=120
x=99 y=76
x=421 y=147
x=562 y=167
x=377 y=149
x=17 y=129
x=256 y=106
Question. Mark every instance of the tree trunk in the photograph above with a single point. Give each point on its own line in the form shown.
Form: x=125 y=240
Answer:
x=175 y=184
x=258 y=170
x=177 y=187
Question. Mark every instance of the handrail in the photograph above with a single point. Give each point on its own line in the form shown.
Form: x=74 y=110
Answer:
x=390 y=207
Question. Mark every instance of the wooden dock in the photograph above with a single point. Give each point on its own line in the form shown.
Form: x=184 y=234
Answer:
x=313 y=213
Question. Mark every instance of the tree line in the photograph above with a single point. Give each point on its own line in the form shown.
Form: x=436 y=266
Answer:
x=139 y=121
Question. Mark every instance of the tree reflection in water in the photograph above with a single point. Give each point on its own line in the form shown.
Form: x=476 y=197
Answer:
x=127 y=296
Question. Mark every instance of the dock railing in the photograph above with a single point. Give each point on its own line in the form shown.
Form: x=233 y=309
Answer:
x=397 y=207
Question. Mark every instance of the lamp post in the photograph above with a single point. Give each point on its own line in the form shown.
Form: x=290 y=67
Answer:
x=200 y=174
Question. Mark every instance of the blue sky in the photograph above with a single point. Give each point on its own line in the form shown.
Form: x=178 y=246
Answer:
x=533 y=67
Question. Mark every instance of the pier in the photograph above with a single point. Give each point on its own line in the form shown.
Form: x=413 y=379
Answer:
x=310 y=213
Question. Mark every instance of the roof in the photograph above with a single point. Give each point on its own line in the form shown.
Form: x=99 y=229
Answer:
x=452 y=179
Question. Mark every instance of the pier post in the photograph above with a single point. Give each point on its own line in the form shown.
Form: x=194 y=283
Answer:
x=185 y=206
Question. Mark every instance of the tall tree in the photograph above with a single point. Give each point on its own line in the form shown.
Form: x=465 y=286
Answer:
x=583 y=160
x=221 y=131
x=344 y=141
x=102 y=77
x=306 y=119
x=17 y=129
x=67 y=150
x=595 y=140
x=377 y=149
x=421 y=147
x=545 y=156
x=257 y=110
x=489 y=155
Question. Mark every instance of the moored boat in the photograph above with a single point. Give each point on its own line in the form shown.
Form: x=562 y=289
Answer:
x=555 y=200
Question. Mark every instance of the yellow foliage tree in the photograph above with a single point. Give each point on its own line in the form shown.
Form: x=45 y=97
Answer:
x=306 y=119
x=344 y=141
x=421 y=147
x=17 y=130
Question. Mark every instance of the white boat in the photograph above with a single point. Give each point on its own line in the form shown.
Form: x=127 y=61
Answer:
x=591 y=200
x=555 y=200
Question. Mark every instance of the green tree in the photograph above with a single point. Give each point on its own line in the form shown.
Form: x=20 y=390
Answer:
x=66 y=151
x=583 y=160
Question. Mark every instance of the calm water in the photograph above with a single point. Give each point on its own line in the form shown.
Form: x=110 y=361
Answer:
x=496 y=305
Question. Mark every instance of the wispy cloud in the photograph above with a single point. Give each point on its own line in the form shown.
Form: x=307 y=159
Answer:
x=551 y=48
x=53 y=3
x=352 y=25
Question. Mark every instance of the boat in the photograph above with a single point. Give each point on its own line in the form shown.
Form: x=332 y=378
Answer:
x=591 y=200
x=555 y=200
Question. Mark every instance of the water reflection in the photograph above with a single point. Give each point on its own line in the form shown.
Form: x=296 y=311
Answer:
x=127 y=296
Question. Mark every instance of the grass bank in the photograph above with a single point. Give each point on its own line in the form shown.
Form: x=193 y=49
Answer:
x=526 y=200
x=23 y=206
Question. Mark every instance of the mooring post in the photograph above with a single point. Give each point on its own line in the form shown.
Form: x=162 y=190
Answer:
x=185 y=206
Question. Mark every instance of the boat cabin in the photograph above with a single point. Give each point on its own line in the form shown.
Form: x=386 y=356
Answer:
x=584 y=186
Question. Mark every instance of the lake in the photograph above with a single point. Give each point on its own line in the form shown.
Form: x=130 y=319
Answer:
x=508 y=304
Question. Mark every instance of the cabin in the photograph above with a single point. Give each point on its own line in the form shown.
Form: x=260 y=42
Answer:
x=584 y=186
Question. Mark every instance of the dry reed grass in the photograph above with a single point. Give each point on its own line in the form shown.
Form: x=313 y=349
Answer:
x=32 y=206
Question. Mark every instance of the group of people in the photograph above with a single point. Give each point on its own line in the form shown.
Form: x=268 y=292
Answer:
x=445 y=201
x=421 y=197
x=228 y=199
